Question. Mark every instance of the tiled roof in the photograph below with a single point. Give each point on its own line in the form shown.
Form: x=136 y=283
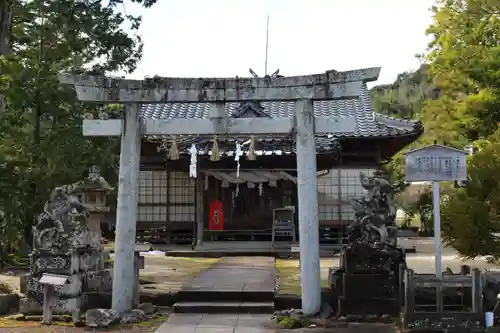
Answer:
x=368 y=123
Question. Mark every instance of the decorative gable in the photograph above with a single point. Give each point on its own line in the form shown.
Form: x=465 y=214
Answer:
x=250 y=110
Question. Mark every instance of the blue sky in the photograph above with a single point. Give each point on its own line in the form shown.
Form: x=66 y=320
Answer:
x=224 y=38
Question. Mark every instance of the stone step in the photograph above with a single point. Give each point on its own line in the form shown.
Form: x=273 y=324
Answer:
x=224 y=296
x=224 y=307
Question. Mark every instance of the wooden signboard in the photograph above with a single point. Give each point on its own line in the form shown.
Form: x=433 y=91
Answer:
x=436 y=163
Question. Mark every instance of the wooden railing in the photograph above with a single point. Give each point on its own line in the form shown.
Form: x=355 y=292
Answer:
x=468 y=287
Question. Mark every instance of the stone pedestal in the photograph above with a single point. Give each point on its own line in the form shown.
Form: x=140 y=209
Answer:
x=84 y=273
x=368 y=281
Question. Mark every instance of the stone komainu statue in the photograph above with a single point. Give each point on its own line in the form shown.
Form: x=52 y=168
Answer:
x=375 y=212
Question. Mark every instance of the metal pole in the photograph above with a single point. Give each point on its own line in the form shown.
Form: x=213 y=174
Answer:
x=437 y=229
x=267 y=45
x=308 y=207
x=126 y=217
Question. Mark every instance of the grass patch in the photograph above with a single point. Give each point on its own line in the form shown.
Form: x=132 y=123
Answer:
x=19 y=321
x=289 y=273
x=9 y=322
x=152 y=324
x=170 y=274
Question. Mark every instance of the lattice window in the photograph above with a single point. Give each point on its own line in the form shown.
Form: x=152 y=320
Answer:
x=350 y=188
x=328 y=212
x=182 y=197
x=350 y=184
x=182 y=213
x=153 y=187
x=181 y=189
x=152 y=213
x=328 y=196
x=346 y=212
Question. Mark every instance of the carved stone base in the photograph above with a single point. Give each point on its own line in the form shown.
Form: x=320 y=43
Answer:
x=66 y=263
x=30 y=306
x=99 y=281
x=368 y=280
x=361 y=257
x=92 y=261
x=47 y=262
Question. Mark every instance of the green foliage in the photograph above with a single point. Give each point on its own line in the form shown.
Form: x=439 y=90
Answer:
x=41 y=142
x=413 y=201
x=459 y=104
x=471 y=215
x=464 y=61
x=289 y=322
x=405 y=97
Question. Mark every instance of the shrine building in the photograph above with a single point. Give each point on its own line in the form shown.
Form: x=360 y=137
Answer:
x=224 y=203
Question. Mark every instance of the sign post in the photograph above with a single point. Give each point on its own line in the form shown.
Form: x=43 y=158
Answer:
x=49 y=282
x=437 y=228
x=435 y=164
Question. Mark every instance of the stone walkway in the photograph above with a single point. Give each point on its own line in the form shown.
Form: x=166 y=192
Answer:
x=237 y=274
x=197 y=323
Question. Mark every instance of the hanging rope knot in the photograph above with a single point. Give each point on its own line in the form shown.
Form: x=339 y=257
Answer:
x=173 y=153
x=251 y=149
x=215 y=150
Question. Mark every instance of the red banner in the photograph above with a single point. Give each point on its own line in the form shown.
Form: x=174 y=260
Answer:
x=216 y=217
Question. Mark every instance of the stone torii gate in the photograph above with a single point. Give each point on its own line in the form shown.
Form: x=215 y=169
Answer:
x=303 y=90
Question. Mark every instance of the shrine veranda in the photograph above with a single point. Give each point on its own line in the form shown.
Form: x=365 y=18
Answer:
x=208 y=157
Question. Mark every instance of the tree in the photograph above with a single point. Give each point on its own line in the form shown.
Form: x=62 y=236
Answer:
x=412 y=203
x=41 y=145
x=464 y=62
x=464 y=59
x=405 y=97
x=5 y=25
x=5 y=30
x=471 y=215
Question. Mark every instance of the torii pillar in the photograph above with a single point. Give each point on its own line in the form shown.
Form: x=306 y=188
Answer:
x=124 y=273
x=303 y=90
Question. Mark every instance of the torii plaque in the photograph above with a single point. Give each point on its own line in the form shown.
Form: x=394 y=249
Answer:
x=303 y=90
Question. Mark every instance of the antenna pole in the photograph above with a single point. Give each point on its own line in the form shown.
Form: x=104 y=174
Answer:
x=267 y=45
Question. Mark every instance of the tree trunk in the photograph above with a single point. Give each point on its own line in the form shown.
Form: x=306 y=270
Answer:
x=5 y=31
x=5 y=25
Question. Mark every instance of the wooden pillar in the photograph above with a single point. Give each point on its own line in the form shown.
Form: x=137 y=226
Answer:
x=126 y=217
x=477 y=291
x=200 y=214
x=409 y=297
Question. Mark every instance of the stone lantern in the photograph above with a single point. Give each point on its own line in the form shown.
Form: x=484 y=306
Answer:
x=95 y=191
x=96 y=199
